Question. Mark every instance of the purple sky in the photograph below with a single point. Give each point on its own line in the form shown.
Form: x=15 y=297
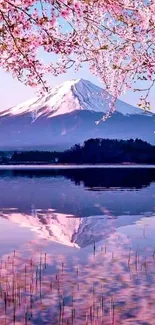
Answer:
x=12 y=92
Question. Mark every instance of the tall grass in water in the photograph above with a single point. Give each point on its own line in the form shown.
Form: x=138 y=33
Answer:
x=114 y=286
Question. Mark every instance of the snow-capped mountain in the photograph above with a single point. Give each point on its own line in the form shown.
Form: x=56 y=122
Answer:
x=68 y=230
x=67 y=115
x=63 y=229
x=70 y=96
x=57 y=210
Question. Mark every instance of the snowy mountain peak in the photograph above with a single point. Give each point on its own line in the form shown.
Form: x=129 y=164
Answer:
x=64 y=229
x=76 y=94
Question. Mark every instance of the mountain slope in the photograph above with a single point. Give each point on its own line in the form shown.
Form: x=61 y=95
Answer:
x=70 y=96
x=68 y=230
x=67 y=115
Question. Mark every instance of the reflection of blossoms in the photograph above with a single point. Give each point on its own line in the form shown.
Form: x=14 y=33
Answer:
x=113 y=286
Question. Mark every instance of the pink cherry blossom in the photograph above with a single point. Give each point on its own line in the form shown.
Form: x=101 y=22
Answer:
x=115 y=38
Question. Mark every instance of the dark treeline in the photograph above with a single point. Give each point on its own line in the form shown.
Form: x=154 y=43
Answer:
x=93 y=151
x=111 y=151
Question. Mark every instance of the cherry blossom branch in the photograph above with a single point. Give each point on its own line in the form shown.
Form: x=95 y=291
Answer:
x=116 y=38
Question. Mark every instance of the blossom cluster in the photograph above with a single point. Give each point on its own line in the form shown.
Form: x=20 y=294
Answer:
x=115 y=38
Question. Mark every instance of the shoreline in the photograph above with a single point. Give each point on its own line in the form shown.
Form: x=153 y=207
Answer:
x=71 y=166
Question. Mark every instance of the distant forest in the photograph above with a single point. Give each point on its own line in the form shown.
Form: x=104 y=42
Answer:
x=93 y=151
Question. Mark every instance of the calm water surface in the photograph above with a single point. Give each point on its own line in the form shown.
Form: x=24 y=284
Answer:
x=77 y=246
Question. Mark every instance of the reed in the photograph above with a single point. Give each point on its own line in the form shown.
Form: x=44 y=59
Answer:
x=101 y=291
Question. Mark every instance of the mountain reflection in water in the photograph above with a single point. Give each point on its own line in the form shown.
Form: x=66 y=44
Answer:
x=89 y=256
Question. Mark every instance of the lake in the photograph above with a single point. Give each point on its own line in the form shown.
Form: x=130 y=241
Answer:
x=77 y=246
